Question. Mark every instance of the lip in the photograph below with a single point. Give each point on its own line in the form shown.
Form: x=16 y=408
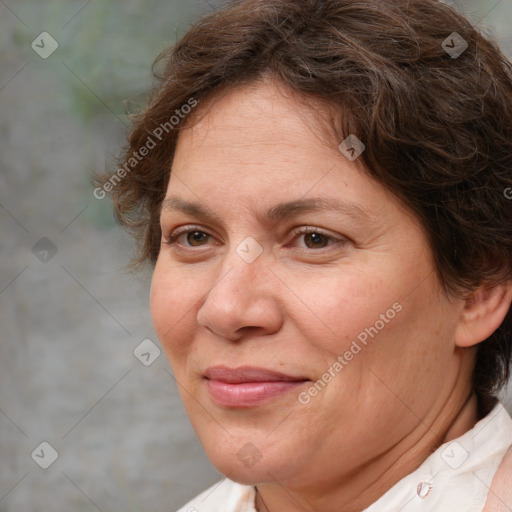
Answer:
x=248 y=386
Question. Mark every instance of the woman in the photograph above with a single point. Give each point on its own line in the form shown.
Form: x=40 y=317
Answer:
x=320 y=186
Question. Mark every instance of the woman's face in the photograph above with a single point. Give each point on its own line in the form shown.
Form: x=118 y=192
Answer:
x=298 y=305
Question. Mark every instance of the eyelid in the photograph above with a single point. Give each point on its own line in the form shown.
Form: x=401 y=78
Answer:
x=182 y=230
x=304 y=230
x=301 y=230
x=311 y=229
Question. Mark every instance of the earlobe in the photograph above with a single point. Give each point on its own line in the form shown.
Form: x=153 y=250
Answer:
x=484 y=311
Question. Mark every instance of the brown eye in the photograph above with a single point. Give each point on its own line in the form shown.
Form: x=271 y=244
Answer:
x=191 y=237
x=311 y=238
x=194 y=238
x=315 y=240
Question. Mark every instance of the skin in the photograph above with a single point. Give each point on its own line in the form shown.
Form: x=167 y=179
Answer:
x=500 y=493
x=299 y=306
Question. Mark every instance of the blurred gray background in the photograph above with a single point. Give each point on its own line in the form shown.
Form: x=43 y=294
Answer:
x=70 y=318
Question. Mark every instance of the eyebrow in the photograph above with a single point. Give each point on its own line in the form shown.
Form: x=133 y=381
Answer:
x=276 y=213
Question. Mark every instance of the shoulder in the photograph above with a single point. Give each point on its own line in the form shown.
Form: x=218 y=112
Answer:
x=223 y=496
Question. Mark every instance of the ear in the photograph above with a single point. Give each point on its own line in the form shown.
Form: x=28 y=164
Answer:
x=484 y=311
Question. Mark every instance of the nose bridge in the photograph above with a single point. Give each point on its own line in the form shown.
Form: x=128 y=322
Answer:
x=241 y=296
x=242 y=268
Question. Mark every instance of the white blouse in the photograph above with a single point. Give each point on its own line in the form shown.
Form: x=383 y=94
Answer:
x=457 y=476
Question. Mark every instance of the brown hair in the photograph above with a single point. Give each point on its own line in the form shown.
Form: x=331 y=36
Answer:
x=437 y=126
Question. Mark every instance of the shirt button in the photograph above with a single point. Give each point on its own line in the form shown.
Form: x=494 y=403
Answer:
x=423 y=489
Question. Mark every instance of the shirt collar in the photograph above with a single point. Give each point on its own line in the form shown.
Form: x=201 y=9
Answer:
x=457 y=476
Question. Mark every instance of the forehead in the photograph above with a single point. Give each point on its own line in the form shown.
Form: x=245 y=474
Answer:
x=263 y=114
x=256 y=146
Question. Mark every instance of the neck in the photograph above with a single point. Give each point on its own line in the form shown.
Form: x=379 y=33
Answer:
x=464 y=421
x=357 y=491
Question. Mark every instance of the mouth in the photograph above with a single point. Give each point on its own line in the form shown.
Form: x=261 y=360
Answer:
x=248 y=386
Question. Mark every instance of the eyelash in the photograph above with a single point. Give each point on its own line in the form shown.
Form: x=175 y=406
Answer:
x=297 y=232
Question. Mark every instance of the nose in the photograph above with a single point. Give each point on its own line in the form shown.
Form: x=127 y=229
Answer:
x=243 y=299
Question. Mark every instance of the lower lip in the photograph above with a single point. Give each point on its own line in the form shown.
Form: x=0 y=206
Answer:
x=248 y=394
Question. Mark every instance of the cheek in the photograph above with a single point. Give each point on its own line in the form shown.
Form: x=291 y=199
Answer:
x=172 y=311
x=335 y=309
x=372 y=321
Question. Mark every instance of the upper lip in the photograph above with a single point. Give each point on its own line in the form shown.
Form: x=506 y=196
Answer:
x=248 y=374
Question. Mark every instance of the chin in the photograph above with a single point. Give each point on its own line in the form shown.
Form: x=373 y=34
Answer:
x=246 y=463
